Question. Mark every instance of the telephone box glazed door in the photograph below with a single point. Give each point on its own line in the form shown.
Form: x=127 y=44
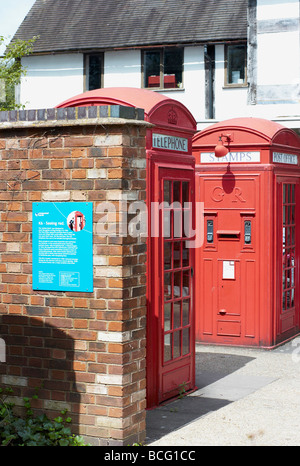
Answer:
x=287 y=318
x=174 y=282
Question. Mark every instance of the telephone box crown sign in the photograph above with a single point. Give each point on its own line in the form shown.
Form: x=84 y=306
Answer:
x=172 y=117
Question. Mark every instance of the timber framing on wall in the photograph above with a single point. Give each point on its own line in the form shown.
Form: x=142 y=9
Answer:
x=252 y=52
x=209 y=55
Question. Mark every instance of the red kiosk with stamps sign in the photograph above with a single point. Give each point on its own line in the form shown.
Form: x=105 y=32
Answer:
x=247 y=272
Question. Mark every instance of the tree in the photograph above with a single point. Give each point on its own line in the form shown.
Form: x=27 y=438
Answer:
x=11 y=70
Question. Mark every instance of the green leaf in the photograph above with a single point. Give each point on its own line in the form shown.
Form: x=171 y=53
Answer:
x=11 y=70
x=63 y=442
x=59 y=419
x=33 y=430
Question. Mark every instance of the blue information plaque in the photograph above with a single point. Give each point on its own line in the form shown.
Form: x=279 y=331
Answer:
x=62 y=246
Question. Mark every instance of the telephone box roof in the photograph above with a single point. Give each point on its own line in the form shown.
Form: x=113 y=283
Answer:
x=249 y=130
x=151 y=102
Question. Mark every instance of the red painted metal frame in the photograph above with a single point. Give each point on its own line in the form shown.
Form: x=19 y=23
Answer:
x=266 y=137
x=169 y=118
x=180 y=171
x=286 y=320
x=157 y=161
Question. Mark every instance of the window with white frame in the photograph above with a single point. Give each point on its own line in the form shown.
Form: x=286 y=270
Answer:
x=163 y=68
x=236 y=65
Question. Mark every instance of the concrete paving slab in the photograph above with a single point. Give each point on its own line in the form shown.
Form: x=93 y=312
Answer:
x=245 y=397
x=231 y=387
x=173 y=416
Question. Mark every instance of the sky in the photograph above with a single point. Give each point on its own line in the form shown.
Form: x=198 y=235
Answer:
x=12 y=13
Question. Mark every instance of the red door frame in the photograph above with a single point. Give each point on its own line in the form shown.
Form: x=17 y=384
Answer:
x=157 y=164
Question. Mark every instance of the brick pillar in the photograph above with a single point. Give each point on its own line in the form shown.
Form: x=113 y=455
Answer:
x=88 y=349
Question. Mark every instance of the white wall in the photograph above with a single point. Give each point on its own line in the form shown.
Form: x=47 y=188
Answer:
x=230 y=102
x=51 y=79
x=122 y=68
x=277 y=9
x=278 y=59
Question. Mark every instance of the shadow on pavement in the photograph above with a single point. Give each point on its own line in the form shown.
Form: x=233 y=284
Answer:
x=174 y=415
x=217 y=387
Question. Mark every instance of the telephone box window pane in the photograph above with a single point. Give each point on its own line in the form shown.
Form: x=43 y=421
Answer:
x=293 y=193
x=185 y=192
x=168 y=286
x=185 y=257
x=287 y=237
x=236 y=64
x=288 y=246
x=177 y=255
x=176 y=191
x=187 y=223
x=185 y=312
x=176 y=344
x=186 y=283
x=292 y=298
x=185 y=341
x=288 y=278
x=288 y=219
x=177 y=221
x=177 y=314
x=167 y=255
x=288 y=303
x=167 y=215
x=167 y=191
x=168 y=347
x=293 y=215
x=167 y=316
x=177 y=284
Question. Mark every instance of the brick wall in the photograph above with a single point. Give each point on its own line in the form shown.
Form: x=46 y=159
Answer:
x=86 y=351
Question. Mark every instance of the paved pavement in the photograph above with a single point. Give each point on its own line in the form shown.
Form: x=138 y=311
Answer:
x=244 y=397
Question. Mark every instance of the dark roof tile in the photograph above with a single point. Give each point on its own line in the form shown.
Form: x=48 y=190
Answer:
x=66 y=25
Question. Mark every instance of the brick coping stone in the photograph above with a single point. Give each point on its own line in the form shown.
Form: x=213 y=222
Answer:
x=70 y=116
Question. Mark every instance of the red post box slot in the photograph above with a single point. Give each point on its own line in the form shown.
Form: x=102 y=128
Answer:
x=227 y=235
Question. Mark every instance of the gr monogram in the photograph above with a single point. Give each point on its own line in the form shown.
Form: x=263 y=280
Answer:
x=218 y=195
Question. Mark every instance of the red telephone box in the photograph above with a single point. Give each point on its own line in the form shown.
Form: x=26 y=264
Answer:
x=170 y=261
x=76 y=221
x=247 y=271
